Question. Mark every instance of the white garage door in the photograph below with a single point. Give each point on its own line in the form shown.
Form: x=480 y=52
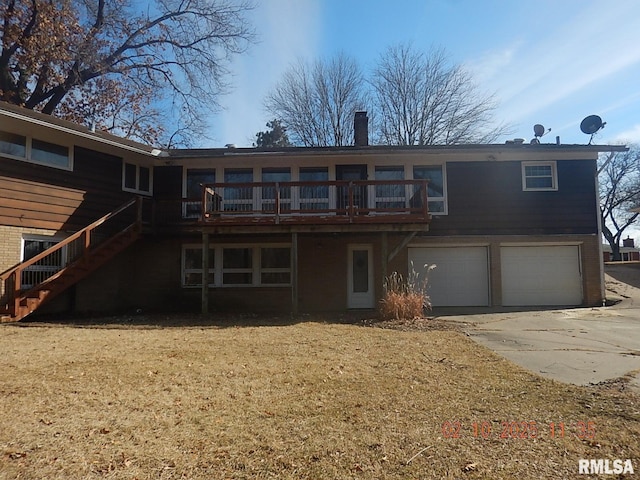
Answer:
x=461 y=275
x=548 y=275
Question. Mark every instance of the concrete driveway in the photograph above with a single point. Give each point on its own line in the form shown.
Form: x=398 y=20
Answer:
x=578 y=345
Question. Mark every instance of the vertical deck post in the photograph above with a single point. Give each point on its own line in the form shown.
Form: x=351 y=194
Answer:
x=384 y=255
x=205 y=273
x=294 y=273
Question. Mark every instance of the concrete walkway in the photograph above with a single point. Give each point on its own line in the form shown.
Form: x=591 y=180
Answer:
x=578 y=345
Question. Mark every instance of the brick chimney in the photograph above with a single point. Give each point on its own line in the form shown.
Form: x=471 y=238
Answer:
x=628 y=242
x=361 y=129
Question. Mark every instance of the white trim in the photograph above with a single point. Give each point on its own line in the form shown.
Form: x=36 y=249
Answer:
x=554 y=176
x=137 y=187
x=75 y=132
x=445 y=198
x=363 y=300
x=218 y=271
x=29 y=152
x=541 y=244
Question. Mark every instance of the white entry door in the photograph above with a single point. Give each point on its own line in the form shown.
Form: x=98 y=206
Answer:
x=360 y=291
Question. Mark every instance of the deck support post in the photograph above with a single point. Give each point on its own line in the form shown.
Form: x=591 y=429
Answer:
x=384 y=255
x=294 y=273
x=205 y=273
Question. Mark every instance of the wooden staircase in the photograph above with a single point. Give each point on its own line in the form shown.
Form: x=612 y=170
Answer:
x=82 y=253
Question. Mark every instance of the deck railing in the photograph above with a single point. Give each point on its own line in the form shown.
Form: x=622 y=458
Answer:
x=330 y=201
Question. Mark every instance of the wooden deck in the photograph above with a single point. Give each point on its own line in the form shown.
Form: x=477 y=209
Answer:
x=300 y=206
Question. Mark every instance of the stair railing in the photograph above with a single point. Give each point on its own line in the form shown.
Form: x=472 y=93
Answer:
x=52 y=261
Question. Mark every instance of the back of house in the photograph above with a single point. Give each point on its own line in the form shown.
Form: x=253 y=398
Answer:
x=293 y=229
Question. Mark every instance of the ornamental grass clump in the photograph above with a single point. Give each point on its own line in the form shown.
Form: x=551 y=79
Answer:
x=405 y=298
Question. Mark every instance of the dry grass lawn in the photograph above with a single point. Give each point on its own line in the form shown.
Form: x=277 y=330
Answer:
x=299 y=401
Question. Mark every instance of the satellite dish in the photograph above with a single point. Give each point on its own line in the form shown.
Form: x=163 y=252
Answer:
x=591 y=124
x=538 y=130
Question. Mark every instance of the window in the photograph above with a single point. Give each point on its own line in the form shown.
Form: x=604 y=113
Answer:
x=238 y=265
x=539 y=176
x=36 y=151
x=195 y=178
x=275 y=266
x=238 y=199
x=314 y=197
x=436 y=192
x=192 y=266
x=33 y=245
x=390 y=195
x=272 y=175
x=136 y=178
x=14 y=145
x=49 y=154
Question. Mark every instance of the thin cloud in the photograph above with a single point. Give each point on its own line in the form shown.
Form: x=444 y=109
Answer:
x=536 y=73
x=287 y=29
x=631 y=135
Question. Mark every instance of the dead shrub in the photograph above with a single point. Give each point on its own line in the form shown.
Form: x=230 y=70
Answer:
x=405 y=298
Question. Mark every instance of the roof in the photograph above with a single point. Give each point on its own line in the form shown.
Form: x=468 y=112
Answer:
x=469 y=152
x=487 y=150
x=13 y=111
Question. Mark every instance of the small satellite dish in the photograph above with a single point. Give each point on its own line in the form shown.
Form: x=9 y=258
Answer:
x=538 y=131
x=591 y=124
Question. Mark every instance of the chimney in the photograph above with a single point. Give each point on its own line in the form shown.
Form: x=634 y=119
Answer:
x=361 y=129
x=628 y=242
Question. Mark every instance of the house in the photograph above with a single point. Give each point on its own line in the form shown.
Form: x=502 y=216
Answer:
x=628 y=251
x=92 y=222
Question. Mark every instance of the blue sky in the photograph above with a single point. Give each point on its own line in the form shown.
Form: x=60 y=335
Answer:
x=550 y=62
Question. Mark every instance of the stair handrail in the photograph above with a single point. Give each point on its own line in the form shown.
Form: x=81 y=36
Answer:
x=27 y=263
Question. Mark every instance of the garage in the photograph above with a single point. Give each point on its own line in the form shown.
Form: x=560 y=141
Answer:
x=541 y=275
x=461 y=276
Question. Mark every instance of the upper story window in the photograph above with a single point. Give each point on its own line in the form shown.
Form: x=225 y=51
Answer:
x=391 y=195
x=436 y=190
x=195 y=179
x=273 y=175
x=539 y=176
x=314 y=196
x=238 y=199
x=36 y=151
x=136 y=178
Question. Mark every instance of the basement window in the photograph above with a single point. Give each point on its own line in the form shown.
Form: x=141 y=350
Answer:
x=40 y=271
x=232 y=265
x=539 y=176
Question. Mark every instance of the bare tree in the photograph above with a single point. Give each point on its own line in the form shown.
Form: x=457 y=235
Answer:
x=619 y=178
x=316 y=103
x=421 y=99
x=116 y=63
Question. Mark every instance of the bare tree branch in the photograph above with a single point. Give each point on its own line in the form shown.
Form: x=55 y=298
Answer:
x=168 y=49
x=619 y=178
x=316 y=103
x=421 y=99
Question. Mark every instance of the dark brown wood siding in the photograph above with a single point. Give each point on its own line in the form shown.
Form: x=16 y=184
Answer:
x=487 y=199
x=36 y=196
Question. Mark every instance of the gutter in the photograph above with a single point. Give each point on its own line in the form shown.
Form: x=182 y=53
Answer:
x=153 y=152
